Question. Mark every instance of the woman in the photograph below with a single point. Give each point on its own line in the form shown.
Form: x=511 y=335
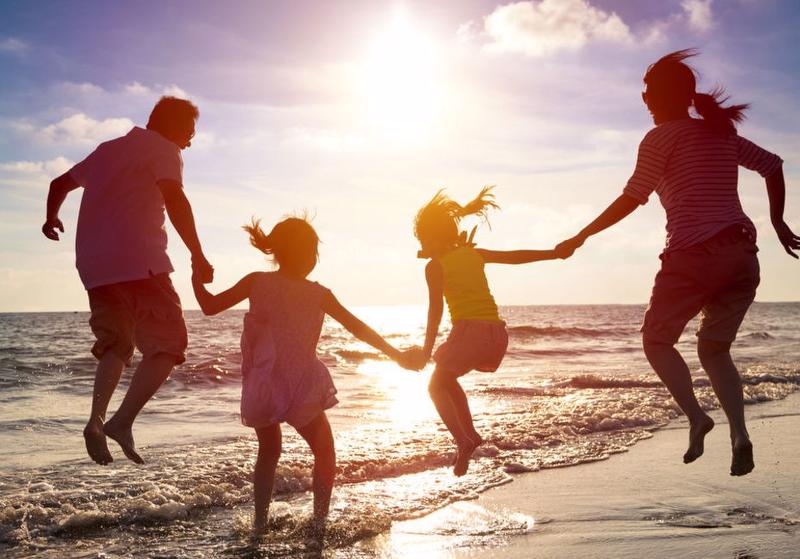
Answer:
x=709 y=265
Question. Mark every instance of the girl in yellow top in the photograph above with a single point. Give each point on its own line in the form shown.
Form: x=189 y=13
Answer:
x=478 y=338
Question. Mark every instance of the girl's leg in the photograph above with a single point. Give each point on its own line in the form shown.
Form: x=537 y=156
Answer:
x=319 y=437
x=675 y=374
x=451 y=403
x=269 y=451
x=716 y=360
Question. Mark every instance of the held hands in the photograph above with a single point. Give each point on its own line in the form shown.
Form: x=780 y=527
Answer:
x=787 y=238
x=565 y=249
x=202 y=270
x=50 y=226
x=413 y=359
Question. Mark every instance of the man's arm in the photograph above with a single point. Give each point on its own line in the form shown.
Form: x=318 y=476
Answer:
x=776 y=192
x=619 y=209
x=59 y=188
x=180 y=214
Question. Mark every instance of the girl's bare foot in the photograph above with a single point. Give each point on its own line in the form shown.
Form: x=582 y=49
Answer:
x=260 y=526
x=96 y=444
x=697 y=434
x=742 y=460
x=123 y=435
x=464 y=454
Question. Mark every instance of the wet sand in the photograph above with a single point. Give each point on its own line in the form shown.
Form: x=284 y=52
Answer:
x=643 y=503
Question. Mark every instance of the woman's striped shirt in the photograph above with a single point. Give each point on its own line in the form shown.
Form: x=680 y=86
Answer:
x=694 y=171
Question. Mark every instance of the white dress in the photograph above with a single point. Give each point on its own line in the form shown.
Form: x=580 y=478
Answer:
x=282 y=378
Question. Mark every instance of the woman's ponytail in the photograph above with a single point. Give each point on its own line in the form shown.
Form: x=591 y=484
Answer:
x=721 y=119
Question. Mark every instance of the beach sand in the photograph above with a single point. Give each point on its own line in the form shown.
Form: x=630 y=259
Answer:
x=642 y=503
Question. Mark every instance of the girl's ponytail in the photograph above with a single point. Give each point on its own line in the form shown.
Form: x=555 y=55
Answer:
x=479 y=206
x=258 y=238
x=721 y=119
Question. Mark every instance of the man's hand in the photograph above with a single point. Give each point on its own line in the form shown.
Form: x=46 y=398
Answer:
x=565 y=249
x=50 y=226
x=202 y=269
x=786 y=236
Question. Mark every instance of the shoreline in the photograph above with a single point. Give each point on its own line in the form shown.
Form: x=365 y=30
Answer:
x=641 y=503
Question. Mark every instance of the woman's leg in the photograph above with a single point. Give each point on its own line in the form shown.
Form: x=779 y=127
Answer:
x=453 y=407
x=716 y=360
x=674 y=373
x=269 y=451
x=319 y=437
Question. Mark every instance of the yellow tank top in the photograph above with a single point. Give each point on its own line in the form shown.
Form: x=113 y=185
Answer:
x=465 y=287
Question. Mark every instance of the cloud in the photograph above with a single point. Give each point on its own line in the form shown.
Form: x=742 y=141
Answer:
x=698 y=13
x=82 y=129
x=32 y=174
x=541 y=28
x=137 y=88
x=12 y=45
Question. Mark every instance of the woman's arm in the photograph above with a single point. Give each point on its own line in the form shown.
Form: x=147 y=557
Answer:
x=434 y=276
x=776 y=192
x=352 y=324
x=516 y=256
x=213 y=304
x=619 y=209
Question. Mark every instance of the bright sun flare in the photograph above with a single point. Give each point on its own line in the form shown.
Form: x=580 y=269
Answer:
x=401 y=82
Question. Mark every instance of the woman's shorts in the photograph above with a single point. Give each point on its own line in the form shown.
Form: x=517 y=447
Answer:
x=717 y=278
x=473 y=344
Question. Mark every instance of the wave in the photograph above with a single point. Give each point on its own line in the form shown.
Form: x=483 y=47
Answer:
x=526 y=331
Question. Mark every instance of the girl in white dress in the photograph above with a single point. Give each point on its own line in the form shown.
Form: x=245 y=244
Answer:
x=282 y=378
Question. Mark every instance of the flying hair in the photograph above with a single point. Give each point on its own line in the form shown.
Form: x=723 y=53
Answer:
x=672 y=82
x=290 y=242
x=438 y=220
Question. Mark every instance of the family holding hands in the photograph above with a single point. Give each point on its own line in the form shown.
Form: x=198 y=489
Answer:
x=709 y=266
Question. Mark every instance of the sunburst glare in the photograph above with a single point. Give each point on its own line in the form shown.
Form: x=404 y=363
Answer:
x=400 y=81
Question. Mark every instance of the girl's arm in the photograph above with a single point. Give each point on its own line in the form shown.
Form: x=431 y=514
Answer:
x=332 y=307
x=516 y=256
x=435 y=279
x=212 y=304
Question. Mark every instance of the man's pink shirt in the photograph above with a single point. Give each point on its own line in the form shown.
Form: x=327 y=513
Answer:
x=121 y=235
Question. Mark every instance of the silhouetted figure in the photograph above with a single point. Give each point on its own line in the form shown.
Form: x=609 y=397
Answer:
x=282 y=378
x=478 y=338
x=121 y=256
x=709 y=265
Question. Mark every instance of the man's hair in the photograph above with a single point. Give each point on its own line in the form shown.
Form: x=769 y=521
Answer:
x=170 y=112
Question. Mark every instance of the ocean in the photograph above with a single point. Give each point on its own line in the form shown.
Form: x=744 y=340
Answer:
x=574 y=388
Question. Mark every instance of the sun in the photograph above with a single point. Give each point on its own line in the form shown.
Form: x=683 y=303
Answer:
x=401 y=85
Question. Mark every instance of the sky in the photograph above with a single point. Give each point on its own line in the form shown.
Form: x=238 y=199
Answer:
x=358 y=112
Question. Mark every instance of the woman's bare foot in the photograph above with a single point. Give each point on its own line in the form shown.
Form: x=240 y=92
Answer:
x=697 y=434
x=464 y=454
x=742 y=459
x=123 y=435
x=96 y=444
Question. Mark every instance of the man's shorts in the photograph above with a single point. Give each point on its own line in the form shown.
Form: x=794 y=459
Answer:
x=717 y=278
x=146 y=313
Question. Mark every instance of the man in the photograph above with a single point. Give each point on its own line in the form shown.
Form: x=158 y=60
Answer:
x=122 y=260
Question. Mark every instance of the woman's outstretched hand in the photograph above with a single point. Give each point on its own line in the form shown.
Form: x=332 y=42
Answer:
x=788 y=239
x=413 y=359
x=565 y=249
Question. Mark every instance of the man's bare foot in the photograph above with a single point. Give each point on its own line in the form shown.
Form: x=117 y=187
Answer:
x=96 y=444
x=742 y=460
x=124 y=438
x=697 y=434
x=464 y=454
